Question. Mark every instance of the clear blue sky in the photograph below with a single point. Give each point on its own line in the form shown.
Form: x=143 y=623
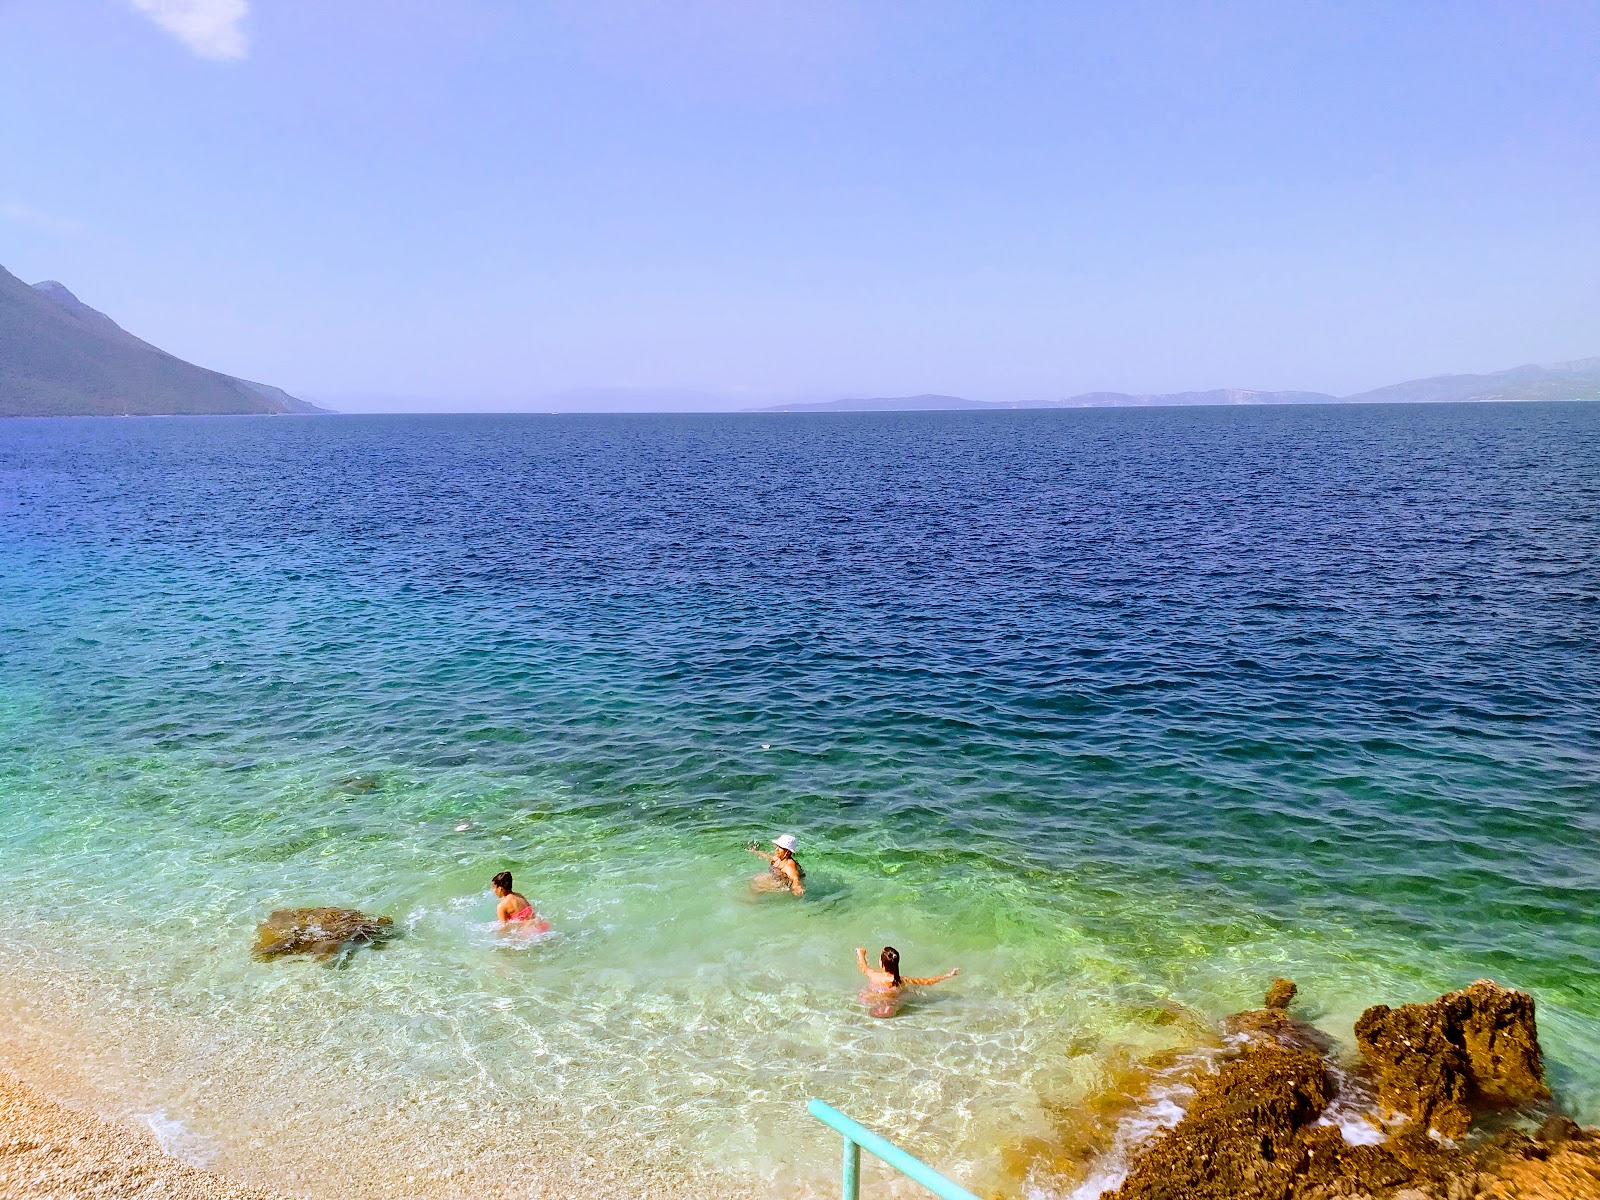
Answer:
x=487 y=201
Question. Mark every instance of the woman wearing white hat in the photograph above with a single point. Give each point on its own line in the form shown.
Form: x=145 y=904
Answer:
x=785 y=874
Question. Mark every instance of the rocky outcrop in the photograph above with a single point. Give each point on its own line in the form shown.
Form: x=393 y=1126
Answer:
x=1255 y=1130
x=1474 y=1048
x=1281 y=994
x=320 y=932
x=1241 y=1139
x=1561 y=1162
x=1273 y=1020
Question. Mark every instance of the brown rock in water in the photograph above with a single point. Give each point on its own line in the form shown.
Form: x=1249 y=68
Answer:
x=322 y=932
x=1274 y=1021
x=1250 y=1133
x=1557 y=1129
x=1434 y=1062
x=1409 y=1166
x=1241 y=1139
x=1280 y=993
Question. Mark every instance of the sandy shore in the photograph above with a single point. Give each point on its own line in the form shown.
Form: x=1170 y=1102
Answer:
x=50 y=1151
x=80 y=1079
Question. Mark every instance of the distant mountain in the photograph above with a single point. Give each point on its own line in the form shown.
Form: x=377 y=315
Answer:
x=59 y=357
x=1086 y=400
x=886 y=404
x=1575 y=380
x=1215 y=396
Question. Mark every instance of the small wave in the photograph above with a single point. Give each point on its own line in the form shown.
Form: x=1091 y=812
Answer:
x=1358 y=1127
x=1166 y=1099
x=177 y=1139
x=1353 y=1111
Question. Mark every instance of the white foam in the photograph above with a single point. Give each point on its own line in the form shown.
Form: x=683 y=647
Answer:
x=1353 y=1110
x=178 y=1140
x=1166 y=1100
x=1356 y=1127
x=1106 y=1177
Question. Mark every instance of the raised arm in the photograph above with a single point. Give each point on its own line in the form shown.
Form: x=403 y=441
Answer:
x=934 y=979
x=861 y=960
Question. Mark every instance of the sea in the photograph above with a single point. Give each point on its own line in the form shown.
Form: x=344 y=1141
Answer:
x=1123 y=712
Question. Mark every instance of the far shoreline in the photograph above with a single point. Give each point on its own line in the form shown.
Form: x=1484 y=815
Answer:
x=995 y=410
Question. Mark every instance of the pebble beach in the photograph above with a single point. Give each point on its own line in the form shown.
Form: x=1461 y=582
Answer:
x=52 y=1152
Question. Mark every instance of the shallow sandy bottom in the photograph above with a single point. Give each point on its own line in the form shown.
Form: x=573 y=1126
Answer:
x=50 y=1152
x=64 y=1059
x=81 y=1090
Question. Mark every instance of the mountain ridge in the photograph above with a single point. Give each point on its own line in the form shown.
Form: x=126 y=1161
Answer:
x=1576 y=379
x=61 y=357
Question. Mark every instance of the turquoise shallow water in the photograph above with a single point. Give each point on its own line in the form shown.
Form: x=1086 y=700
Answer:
x=1116 y=710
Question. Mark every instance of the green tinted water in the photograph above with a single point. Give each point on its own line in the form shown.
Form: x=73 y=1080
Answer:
x=1096 y=711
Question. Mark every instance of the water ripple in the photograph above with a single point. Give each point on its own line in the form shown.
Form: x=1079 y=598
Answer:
x=1115 y=708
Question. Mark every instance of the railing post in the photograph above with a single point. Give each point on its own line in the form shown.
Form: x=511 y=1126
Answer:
x=852 y=1170
x=857 y=1137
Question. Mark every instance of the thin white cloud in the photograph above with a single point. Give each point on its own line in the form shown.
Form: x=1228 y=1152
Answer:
x=211 y=28
x=49 y=222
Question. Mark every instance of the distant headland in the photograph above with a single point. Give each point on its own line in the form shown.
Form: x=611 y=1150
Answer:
x=61 y=358
x=1576 y=380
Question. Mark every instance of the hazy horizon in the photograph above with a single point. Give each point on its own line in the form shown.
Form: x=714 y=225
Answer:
x=490 y=206
x=645 y=400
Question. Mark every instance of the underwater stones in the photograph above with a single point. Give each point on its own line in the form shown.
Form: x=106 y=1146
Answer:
x=1556 y=1129
x=320 y=932
x=1475 y=1047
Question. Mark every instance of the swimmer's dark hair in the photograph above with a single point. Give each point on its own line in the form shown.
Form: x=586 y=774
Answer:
x=502 y=880
x=889 y=960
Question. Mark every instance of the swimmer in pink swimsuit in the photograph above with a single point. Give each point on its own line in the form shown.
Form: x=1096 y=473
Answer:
x=514 y=908
x=886 y=987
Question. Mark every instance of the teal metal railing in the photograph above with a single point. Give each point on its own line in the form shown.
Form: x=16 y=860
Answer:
x=858 y=1137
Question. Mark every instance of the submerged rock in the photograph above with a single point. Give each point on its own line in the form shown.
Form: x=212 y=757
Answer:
x=322 y=932
x=1477 y=1047
x=1273 y=1020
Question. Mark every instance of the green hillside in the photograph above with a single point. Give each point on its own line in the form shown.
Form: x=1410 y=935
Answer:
x=61 y=358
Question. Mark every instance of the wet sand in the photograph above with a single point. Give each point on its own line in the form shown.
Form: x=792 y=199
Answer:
x=50 y=1151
